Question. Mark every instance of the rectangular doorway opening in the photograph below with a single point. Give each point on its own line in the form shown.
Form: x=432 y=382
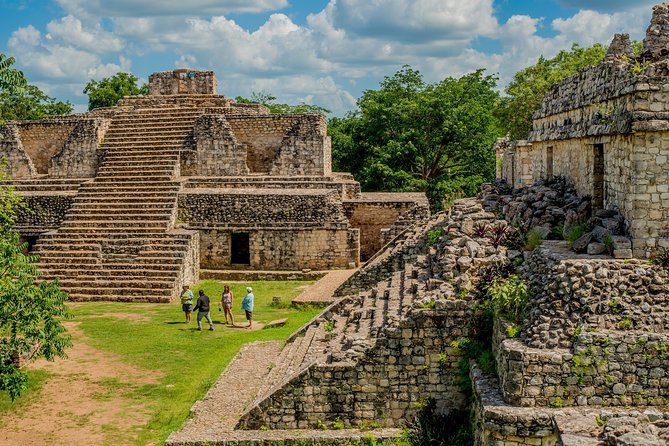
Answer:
x=240 y=253
x=598 y=197
x=549 y=162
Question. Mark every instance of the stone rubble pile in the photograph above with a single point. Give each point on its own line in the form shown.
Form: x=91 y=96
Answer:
x=650 y=428
x=464 y=245
x=554 y=209
x=545 y=204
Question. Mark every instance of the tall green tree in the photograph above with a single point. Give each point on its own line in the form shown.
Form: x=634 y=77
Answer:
x=413 y=136
x=10 y=78
x=31 y=312
x=30 y=103
x=269 y=101
x=526 y=91
x=108 y=91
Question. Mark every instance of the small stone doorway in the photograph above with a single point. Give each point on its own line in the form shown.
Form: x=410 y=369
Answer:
x=598 y=177
x=240 y=252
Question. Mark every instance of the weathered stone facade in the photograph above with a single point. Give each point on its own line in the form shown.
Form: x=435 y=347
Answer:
x=185 y=178
x=607 y=130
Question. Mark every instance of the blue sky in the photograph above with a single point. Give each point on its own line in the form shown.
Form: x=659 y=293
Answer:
x=325 y=52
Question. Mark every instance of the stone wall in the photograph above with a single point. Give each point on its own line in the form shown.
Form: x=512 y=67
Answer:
x=497 y=424
x=412 y=362
x=604 y=367
x=42 y=140
x=346 y=187
x=284 y=144
x=216 y=150
x=19 y=165
x=598 y=293
x=81 y=155
x=182 y=81
x=47 y=212
x=283 y=248
x=374 y=212
x=256 y=207
x=596 y=333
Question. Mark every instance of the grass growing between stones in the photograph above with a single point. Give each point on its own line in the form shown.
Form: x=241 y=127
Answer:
x=183 y=361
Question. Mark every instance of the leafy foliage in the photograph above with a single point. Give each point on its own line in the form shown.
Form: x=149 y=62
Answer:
x=413 y=136
x=509 y=296
x=528 y=87
x=30 y=103
x=533 y=239
x=268 y=101
x=10 y=78
x=430 y=428
x=661 y=258
x=108 y=91
x=30 y=312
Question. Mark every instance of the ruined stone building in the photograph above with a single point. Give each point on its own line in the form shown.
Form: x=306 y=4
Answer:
x=607 y=130
x=131 y=201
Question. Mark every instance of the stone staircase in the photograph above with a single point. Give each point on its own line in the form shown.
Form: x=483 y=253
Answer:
x=118 y=241
x=337 y=339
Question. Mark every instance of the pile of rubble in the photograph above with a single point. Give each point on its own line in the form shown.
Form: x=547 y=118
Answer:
x=554 y=209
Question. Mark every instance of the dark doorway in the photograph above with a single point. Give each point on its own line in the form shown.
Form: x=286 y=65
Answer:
x=549 y=162
x=31 y=241
x=240 y=254
x=598 y=177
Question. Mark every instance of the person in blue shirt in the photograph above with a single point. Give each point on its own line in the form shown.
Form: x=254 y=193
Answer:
x=247 y=305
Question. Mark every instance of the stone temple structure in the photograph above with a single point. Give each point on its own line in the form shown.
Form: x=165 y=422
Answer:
x=131 y=201
x=580 y=358
x=607 y=130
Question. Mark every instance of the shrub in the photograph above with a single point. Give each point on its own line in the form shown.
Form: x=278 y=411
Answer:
x=430 y=428
x=557 y=232
x=433 y=236
x=513 y=331
x=661 y=258
x=608 y=243
x=329 y=326
x=575 y=232
x=533 y=239
x=488 y=274
x=481 y=229
x=509 y=297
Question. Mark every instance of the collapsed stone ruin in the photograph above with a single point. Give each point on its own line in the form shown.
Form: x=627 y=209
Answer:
x=587 y=363
x=606 y=129
x=129 y=202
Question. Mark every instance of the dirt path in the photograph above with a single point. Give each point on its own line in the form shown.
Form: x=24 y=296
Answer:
x=83 y=402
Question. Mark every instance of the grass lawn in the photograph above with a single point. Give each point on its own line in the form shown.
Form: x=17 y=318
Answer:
x=186 y=362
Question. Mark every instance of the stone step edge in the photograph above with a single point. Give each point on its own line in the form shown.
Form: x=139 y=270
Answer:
x=286 y=437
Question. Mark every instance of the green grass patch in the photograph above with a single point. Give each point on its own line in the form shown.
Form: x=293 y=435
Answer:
x=36 y=379
x=185 y=362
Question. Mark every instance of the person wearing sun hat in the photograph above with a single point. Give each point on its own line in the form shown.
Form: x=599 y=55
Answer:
x=247 y=305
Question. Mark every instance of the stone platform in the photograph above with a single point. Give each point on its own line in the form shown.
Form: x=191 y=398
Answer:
x=213 y=418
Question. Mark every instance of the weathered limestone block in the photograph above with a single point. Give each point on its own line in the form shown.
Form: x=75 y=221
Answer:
x=620 y=48
x=217 y=151
x=18 y=164
x=182 y=81
x=80 y=156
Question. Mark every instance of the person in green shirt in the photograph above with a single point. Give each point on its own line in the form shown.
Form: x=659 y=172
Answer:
x=187 y=302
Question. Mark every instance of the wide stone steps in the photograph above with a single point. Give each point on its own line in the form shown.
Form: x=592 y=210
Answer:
x=166 y=166
x=295 y=357
x=143 y=215
x=161 y=188
x=118 y=206
x=144 y=155
x=129 y=145
x=116 y=241
x=154 y=178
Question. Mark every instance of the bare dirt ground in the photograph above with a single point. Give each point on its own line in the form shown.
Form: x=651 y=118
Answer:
x=82 y=402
